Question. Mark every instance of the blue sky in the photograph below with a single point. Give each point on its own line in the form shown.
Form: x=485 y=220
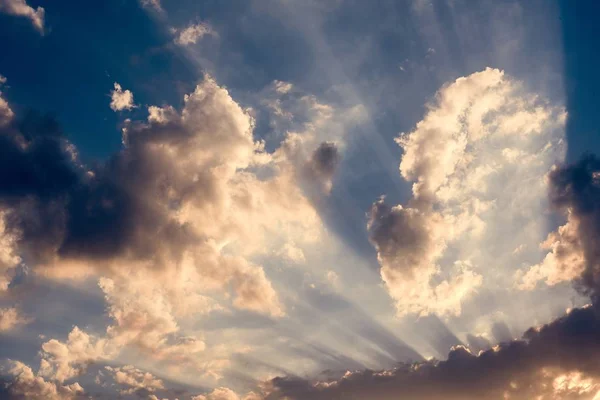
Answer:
x=224 y=200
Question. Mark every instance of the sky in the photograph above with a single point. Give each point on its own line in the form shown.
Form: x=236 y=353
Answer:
x=299 y=199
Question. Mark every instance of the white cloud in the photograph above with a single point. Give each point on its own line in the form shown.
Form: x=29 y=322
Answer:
x=6 y=114
x=65 y=360
x=26 y=384
x=477 y=160
x=205 y=204
x=206 y=176
x=223 y=393
x=21 y=9
x=134 y=379
x=564 y=262
x=10 y=318
x=192 y=33
x=8 y=253
x=121 y=99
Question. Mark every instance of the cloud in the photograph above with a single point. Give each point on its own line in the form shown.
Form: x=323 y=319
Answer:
x=135 y=380
x=322 y=164
x=554 y=361
x=193 y=33
x=473 y=158
x=312 y=135
x=575 y=189
x=121 y=99
x=164 y=199
x=11 y=318
x=564 y=262
x=6 y=114
x=26 y=384
x=223 y=393
x=152 y=4
x=21 y=9
x=557 y=360
x=408 y=244
x=8 y=255
x=172 y=226
x=65 y=360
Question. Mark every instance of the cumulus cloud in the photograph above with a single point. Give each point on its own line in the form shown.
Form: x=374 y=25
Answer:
x=476 y=160
x=223 y=393
x=564 y=262
x=26 y=384
x=575 y=189
x=65 y=360
x=20 y=8
x=121 y=99
x=171 y=226
x=135 y=380
x=408 y=244
x=556 y=361
x=8 y=255
x=6 y=114
x=193 y=33
x=165 y=200
x=11 y=318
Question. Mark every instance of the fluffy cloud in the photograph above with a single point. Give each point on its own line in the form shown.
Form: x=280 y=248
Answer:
x=11 y=318
x=575 y=189
x=21 y=9
x=555 y=361
x=64 y=360
x=6 y=114
x=564 y=262
x=476 y=160
x=573 y=247
x=192 y=33
x=181 y=191
x=172 y=226
x=224 y=393
x=135 y=380
x=26 y=384
x=8 y=255
x=121 y=99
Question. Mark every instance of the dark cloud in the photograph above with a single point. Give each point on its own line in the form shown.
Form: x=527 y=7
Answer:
x=57 y=208
x=576 y=188
x=558 y=360
x=319 y=169
x=519 y=368
x=325 y=159
x=400 y=236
